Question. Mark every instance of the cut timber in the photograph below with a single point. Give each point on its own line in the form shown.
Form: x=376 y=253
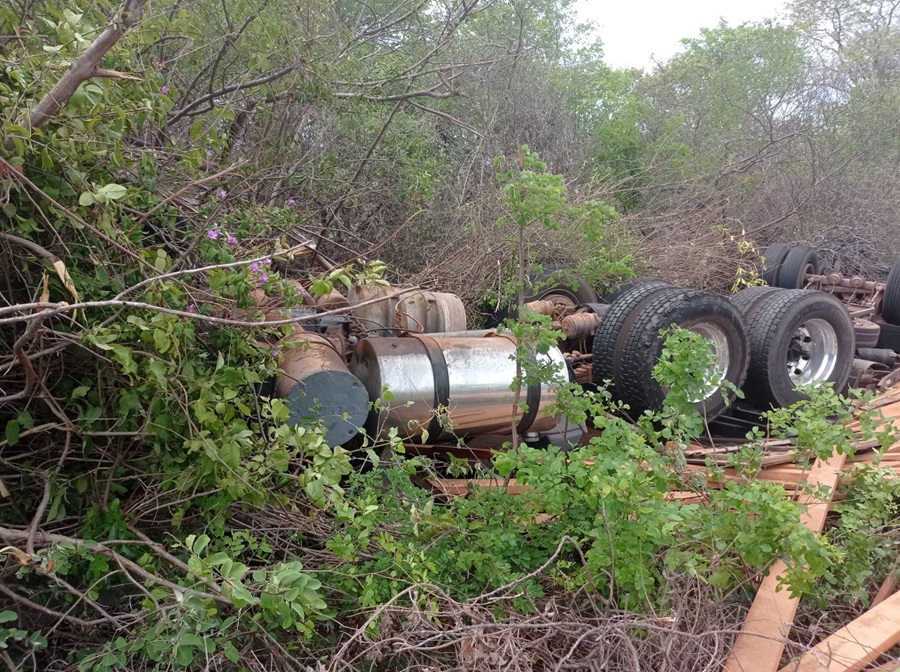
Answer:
x=888 y=588
x=761 y=643
x=463 y=486
x=860 y=642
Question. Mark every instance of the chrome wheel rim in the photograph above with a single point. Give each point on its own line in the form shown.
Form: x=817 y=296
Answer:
x=812 y=352
x=718 y=343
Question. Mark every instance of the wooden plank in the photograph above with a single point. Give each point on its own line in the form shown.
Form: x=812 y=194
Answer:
x=760 y=645
x=888 y=588
x=461 y=486
x=860 y=642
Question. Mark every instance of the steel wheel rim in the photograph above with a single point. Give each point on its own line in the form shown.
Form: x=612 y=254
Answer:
x=718 y=342
x=807 y=271
x=560 y=296
x=812 y=352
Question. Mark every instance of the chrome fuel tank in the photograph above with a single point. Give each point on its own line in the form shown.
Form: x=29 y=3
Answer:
x=455 y=386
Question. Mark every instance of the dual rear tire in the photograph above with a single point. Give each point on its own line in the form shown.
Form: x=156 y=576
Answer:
x=766 y=340
x=797 y=337
x=788 y=266
x=628 y=344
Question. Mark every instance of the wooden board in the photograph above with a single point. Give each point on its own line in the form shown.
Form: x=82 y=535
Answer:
x=860 y=642
x=462 y=486
x=760 y=645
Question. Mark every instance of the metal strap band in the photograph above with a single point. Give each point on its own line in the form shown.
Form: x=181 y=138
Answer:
x=533 y=401
x=441 y=381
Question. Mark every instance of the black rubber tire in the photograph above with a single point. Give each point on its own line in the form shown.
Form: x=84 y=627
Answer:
x=774 y=258
x=749 y=298
x=867 y=333
x=889 y=337
x=770 y=331
x=644 y=345
x=614 y=323
x=562 y=282
x=890 y=303
x=631 y=284
x=800 y=261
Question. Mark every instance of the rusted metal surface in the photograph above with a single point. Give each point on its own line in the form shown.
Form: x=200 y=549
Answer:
x=318 y=387
x=841 y=283
x=430 y=312
x=866 y=374
x=579 y=325
x=556 y=306
x=418 y=312
x=333 y=300
x=477 y=400
x=584 y=374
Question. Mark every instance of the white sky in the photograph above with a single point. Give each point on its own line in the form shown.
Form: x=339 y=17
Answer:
x=635 y=32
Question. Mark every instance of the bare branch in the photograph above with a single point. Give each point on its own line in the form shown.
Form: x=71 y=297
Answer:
x=265 y=79
x=51 y=309
x=427 y=93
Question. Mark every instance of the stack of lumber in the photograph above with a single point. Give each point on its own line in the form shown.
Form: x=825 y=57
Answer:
x=862 y=644
x=778 y=465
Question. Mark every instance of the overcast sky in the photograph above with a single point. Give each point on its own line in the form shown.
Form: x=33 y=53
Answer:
x=634 y=32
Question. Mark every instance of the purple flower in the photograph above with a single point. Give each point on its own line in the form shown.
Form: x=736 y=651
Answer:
x=291 y=203
x=262 y=279
x=192 y=308
x=232 y=239
x=222 y=194
x=276 y=351
x=164 y=88
x=254 y=267
x=212 y=234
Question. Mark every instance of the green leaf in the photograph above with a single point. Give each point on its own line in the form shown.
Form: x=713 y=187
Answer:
x=241 y=597
x=12 y=432
x=200 y=544
x=218 y=558
x=196 y=566
x=112 y=191
x=320 y=287
x=79 y=392
x=230 y=453
x=161 y=341
x=230 y=652
x=8 y=616
x=87 y=198
x=184 y=656
x=158 y=369
x=203 y=643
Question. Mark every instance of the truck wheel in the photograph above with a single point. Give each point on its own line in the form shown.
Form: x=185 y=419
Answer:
x=614 y=324
x=749 y=298
x=890 y=304
x=800 y=262
x=889 y=337
x=797 y=337
x=562 y=283
x=774 y=258
x=867 y=333
x=631 y=284
x=710 y=315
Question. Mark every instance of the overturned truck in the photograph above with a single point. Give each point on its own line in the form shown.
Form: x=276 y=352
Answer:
x=402 y=363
